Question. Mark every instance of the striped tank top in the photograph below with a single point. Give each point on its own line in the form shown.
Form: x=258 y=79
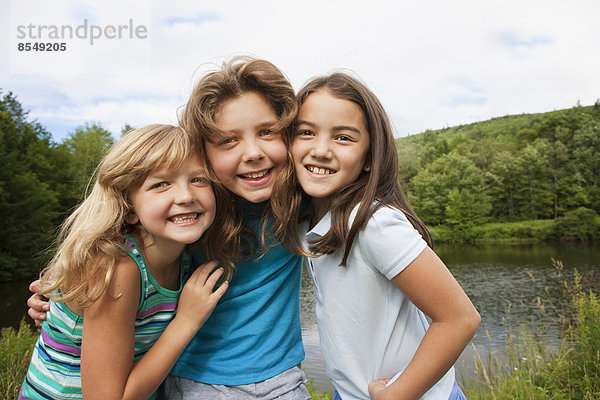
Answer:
x=54 y=371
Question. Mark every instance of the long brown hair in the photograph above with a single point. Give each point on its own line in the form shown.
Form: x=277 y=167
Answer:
x=235 y=77
x=374 y=188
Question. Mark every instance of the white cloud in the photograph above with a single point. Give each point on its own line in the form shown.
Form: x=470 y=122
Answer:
x=433 y=64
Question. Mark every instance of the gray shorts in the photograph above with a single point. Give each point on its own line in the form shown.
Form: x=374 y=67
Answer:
x=288 y=385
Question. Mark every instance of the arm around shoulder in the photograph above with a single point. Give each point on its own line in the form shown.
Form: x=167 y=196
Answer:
x=38 y=304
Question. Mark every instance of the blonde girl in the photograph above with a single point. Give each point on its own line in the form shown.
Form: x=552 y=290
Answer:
x=375 y=274
x=114 y=328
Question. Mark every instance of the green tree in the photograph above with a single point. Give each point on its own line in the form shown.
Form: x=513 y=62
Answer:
x=432 y=146
x=534 y=188
x=126 y=128
x=408 y=161
x=579 y=224
x=433 y=186
x=29 y=205
x=465 y=210
x=586 y=154
x=85 y=147
x=565 y=181
x=503 y=184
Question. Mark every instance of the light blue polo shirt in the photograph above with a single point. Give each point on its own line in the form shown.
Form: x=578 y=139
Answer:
x=368 y=328
x=254 y=332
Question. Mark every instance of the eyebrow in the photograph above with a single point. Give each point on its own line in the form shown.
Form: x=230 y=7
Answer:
x=165 y=175
x=337 y=128
x=260 y=125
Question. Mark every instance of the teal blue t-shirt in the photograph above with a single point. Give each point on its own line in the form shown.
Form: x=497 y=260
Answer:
x=254 y=332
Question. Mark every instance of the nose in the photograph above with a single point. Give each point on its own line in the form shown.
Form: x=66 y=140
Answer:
x=184 y=195
x=252 y=150
x=321 y=148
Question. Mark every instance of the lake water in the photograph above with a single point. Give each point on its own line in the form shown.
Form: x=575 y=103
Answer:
x=497 y=278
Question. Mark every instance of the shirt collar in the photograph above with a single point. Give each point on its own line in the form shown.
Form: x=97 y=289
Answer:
x=321 y=228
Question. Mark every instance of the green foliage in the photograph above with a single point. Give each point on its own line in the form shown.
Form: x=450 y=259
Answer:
x=526 y=369
x=534 y=190
x=29 y=206
x=126 y=128
x=440 y=188
x=40 y=181
x=464 y=210
x=579 y=225
x=524 y=231
x=316 y=394
x=86 y=147
x=584 y=339
x=586 y=152
x=15 y=353
x=529 y=167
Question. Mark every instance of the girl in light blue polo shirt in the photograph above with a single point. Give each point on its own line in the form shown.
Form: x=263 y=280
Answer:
x=375 y=274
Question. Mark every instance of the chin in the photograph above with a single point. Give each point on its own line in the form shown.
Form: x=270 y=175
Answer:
x=256 y=197
x=317 y=194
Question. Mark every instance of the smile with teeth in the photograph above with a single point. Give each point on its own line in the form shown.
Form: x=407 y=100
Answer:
x=256 y=175
x=179 y=219
x=320 y=171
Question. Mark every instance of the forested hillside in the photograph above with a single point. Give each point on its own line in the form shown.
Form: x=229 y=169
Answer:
x=512 y=168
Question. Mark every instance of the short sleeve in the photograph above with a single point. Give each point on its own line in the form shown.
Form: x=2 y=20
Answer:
x=389 y=242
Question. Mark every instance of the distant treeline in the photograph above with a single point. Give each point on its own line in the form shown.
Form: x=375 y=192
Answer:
x=510 y=169
x=515 y=168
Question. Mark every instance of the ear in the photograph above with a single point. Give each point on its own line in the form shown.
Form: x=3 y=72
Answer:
x=131 y=218
x=367 y=168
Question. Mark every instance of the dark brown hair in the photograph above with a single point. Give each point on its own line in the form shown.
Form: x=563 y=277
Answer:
x=374 y=188
x=238 y=76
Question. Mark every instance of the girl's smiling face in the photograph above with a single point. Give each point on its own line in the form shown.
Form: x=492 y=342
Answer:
x=250 y=156
x=330 y=145
x=175 y=206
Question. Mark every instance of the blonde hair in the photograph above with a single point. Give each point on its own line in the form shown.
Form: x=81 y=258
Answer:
x=238 y=76
x=91 y=240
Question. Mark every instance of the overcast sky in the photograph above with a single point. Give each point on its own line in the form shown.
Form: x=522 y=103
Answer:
x=433 y=64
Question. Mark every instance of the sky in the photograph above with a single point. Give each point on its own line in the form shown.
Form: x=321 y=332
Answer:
x=433 y=64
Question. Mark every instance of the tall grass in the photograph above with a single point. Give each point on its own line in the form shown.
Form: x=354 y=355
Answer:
x=15 y=353
x=526 y=368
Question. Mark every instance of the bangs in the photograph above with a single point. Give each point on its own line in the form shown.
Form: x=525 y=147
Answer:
x=169 y=153
x=215 y=135
x=145 y=150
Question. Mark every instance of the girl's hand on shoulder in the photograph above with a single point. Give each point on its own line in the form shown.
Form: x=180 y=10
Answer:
x=377 y=389
x=38 y=304
x=197 y=300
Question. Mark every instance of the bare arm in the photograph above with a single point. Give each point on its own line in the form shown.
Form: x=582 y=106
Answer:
x=432 y=288
x=107 y=368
